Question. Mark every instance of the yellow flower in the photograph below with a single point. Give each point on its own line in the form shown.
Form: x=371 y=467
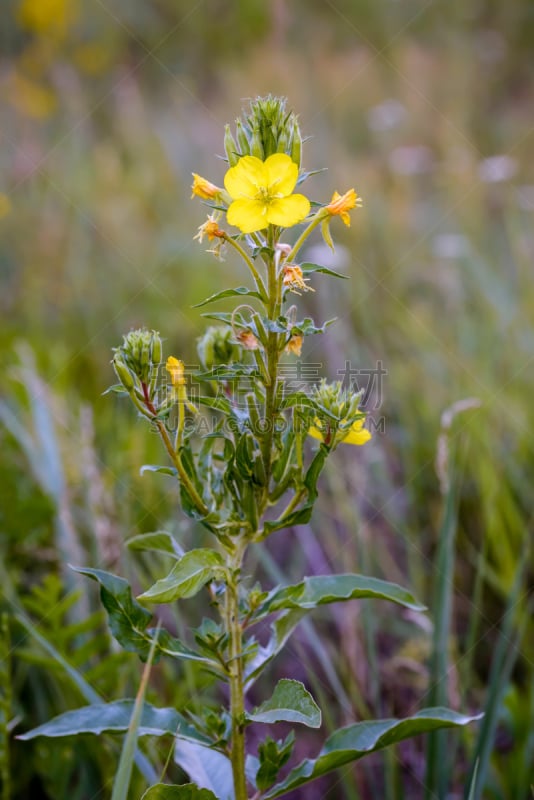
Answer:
x=262 y=193
x=294 y=345
x=211 y=229
x=356 y=434
x=294 y=279
x=341 y=204
x=176 y=370
x=203 y=188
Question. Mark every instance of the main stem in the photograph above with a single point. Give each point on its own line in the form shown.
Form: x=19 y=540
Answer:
x=235 y=667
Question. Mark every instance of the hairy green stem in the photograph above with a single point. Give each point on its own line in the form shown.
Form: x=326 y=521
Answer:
x=235 y=669
x=250 y=264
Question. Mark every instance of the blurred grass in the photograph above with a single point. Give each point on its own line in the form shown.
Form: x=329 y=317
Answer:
x=107 y=109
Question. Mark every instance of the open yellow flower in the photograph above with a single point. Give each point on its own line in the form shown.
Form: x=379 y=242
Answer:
x=341 y=204
x=356 y=434
x=262 y=193
x=203 y=188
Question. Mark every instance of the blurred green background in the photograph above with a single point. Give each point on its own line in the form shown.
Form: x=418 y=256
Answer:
x=425 y=108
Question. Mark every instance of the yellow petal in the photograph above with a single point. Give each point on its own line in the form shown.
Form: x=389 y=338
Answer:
x=316 y=433
x=245 y=178
x=357 y=434
x=281 y=173
x=288 y=211
x=247 y=215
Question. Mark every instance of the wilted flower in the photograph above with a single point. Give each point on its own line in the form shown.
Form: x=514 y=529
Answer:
x=247 y=340
x=211 y=229
x=204 y=188
x=294 y=279
x=294 y=345
x=341 y=204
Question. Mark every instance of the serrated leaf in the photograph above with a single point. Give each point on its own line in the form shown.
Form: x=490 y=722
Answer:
x=156 y=542
x=240 y=291
x=309 y=268
x=188 y=791
x=207 y=768
x=155 y=468
x=187 y=577
x=290 y=702
x=115 y=718
x=356 y=741
x=319 y=590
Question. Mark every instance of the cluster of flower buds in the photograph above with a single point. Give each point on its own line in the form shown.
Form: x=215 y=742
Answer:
x=217 y=347
x=268 y=129
x=137 y=359
x=342 y=419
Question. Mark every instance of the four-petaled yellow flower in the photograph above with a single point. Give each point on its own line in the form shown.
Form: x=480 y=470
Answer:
x=262 y=193
x=176 y=370
x=356 y=434
x=203 y=188
x=341 y=204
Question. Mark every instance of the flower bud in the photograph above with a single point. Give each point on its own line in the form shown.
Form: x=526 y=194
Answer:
x=296 y=145
x=242 y=139
x=256 y=145
x=123 y=374
x=136 y=352
x=155 y=349
x=230 y=147
x=216 y=348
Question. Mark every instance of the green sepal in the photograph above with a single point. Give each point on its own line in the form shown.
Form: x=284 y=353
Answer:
x=356 y=741
x=290 y=702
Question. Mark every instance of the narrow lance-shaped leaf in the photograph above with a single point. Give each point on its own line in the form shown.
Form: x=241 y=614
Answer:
x=240 y=291
x=281 y=630
x=188 y=791
x=115 y=718
x=187 y=577
x=356 y=741
x=323 y=589
x=290 y=702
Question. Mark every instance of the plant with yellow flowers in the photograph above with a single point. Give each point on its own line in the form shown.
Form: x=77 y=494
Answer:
x=254 y=474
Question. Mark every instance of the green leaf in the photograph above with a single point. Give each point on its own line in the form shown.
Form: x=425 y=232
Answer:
x=308 y=269
x=156 y=542
x=154 y=468
x=128 y=621
x=115 y=718
x=356 y=741
x=127 y=618
x=319 y=590
x=291 y=702
x=241 y=291
x=207 y=768
x=281 y=630
x=187 y=577
x=188 y=791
